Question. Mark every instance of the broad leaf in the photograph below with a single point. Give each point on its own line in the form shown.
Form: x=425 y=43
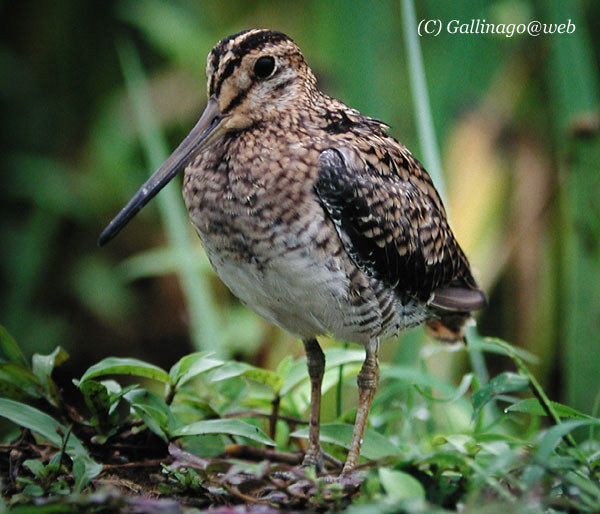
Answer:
x=375 y=445
x=127 y=366
x=191 y=366
x=298 y=373
x=235 y=427
x=498 y=346
x=153 y=411
x=534 y=407
x=241 y=369
x=39 y=422
x=401 y=486
x=463 y=387
x=43 y=366
x=462 y=443
x=98 y=400
x=549 y=441
x=283 y=368
x=9 y=349
x=507 y=382
x=84 y=470
x=17 y=382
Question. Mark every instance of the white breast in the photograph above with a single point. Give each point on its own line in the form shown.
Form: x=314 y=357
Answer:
x=295 y=292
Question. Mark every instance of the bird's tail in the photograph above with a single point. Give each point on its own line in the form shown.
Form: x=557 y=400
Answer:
x=453 y=311
x=449 y=327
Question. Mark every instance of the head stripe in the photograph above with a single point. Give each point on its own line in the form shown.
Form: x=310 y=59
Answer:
x=240 y=45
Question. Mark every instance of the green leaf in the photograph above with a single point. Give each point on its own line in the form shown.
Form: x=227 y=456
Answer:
x=36 y=467
x=39 y=422
x=84 y=470
x=266 y=377
x=553 y=436
x=43 y=365
x=98 y=400
x=235 y=427
x=492 y=437
x=17 y=382
x=127 y=366
x=298 y=373
x=411 y=376
x=96 y=397
x=284 y=366
x=400 y=485
x=375 y=445
x=208 y=445
x=116 y=392
x=507 y=382
x=534 y=407
x=59 y=487
x=229 y=370
x=153 y=411
x=550 y=439
x=241 y=369
x=501 y=347
x=33 y=490
x=191 y=366
x=464 y=385
x=462 y=443
x=9 y=349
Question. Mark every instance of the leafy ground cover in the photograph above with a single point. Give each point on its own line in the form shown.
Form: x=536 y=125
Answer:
x=210 y=432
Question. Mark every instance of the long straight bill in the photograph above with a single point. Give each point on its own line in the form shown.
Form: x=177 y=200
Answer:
x=194 y=142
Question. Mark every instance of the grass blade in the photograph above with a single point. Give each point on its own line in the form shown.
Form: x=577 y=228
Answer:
x=204 y=327
x=423 y=116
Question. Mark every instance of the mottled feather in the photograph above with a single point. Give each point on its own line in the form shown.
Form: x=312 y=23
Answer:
x=396 y=232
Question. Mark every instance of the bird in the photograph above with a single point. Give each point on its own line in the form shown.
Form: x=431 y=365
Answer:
x=314 y=216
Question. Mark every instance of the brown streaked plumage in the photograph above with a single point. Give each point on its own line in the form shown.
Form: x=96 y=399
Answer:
x=313 y=215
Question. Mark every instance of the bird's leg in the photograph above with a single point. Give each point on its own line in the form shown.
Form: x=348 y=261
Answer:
x=367 y=383
x=316 y=367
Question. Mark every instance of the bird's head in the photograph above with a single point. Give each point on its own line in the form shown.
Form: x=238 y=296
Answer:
x=253 y=77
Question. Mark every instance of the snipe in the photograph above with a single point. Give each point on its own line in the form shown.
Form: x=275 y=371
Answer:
x=313 y=215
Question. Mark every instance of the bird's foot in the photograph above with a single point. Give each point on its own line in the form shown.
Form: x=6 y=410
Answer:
x=303 y=483
x=347 y=479
x=312 y=465
x=314 y=459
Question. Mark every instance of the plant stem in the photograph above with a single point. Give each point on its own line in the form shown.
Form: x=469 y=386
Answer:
x=423 y=117
x=204 y=327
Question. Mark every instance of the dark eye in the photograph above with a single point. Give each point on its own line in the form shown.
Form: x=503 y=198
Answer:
x=264 y=66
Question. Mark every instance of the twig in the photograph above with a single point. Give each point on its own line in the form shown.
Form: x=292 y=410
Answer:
x=255 y=453
x=331 y=459
x=274 y=416
x=141 y=464
x=246 y=497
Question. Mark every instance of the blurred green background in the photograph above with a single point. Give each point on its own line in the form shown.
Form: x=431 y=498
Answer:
x=94 y=94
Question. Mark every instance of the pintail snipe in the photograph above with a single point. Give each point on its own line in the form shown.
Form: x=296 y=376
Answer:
x=313 y=215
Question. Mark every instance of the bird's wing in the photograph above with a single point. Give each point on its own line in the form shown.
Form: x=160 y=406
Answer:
x=396 y=231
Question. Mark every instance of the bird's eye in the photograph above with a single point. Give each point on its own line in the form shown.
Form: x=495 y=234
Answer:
x=263 y=67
